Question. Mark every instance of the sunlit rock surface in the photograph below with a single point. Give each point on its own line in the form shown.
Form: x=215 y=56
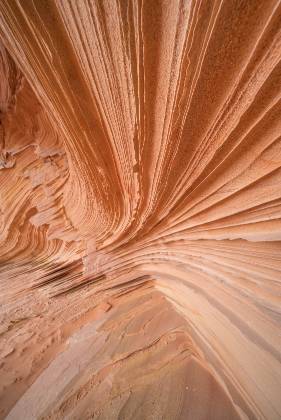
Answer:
x=140 y=209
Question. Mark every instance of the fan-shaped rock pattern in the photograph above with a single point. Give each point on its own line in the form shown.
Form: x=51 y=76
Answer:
x=140 y=209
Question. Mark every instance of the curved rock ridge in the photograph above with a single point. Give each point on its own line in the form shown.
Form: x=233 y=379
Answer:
x=140 y=209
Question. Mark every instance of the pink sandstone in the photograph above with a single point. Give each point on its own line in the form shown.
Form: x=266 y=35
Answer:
x=140 y=209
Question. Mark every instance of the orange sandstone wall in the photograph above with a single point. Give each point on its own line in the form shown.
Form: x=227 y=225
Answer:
x=140 y=209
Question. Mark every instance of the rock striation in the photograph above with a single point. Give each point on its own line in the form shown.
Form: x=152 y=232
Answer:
x=140 y=209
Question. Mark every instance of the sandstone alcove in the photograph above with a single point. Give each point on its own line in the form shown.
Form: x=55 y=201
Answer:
x=140 y=205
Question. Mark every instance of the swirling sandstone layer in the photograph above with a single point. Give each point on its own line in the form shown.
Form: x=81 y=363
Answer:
x=140 y=209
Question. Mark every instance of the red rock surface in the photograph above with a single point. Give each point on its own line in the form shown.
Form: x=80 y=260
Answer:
x=140 y=209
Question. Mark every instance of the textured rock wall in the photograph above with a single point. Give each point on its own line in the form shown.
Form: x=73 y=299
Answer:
x=140 y=209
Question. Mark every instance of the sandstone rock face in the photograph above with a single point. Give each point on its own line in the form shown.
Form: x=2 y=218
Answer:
x=140 y=209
